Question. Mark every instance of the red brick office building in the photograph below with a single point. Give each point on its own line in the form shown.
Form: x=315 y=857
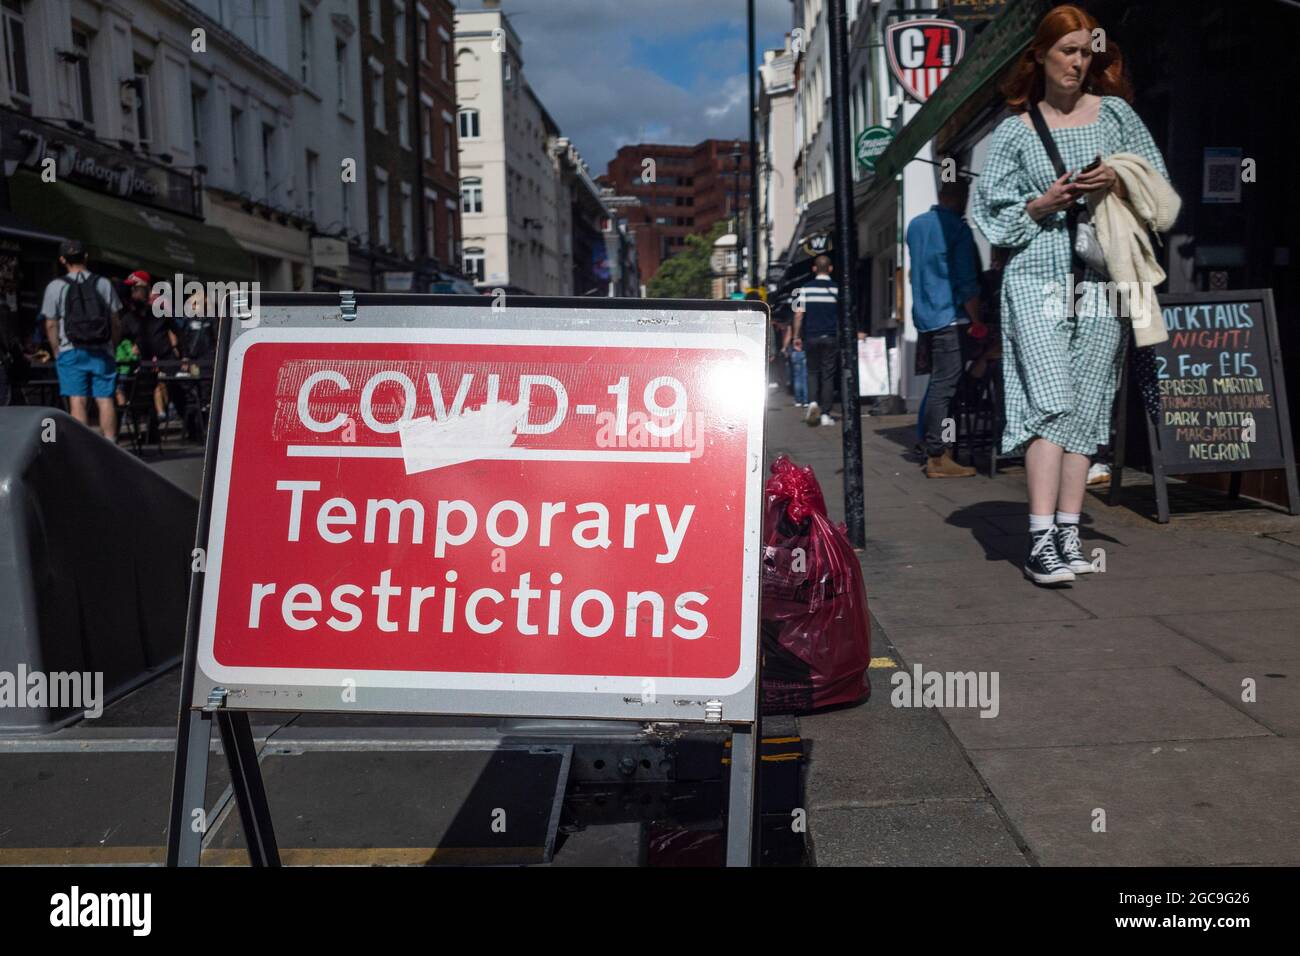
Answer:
x=692 y=187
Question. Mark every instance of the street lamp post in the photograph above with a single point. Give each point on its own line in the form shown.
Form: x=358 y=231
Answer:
x=846 y=245
x=753 y=157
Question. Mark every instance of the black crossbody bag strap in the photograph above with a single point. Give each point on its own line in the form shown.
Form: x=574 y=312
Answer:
x=1049 y=144
x=1054 y=154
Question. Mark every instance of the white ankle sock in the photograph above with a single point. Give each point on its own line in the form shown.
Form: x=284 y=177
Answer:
x=1064 y=517
x=1039 y=523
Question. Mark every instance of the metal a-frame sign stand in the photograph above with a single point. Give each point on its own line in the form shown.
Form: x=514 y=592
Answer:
x=229 y=707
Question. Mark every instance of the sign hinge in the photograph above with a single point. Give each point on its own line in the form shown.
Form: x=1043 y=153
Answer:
x=348 y=305
x=713 y=711
x=217 y=698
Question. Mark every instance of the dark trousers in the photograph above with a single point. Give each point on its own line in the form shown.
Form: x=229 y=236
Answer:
x=947 y=362
x=823 y=369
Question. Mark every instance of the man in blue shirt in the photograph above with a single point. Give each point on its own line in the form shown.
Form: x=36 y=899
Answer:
x=945 y=309
x=816 y=329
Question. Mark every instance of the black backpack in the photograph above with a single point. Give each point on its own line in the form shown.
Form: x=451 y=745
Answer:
x=86 y=317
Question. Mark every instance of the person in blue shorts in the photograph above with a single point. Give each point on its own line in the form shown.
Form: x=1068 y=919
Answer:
x=82 y=316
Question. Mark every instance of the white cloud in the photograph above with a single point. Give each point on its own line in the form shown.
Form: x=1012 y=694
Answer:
x=580 y=56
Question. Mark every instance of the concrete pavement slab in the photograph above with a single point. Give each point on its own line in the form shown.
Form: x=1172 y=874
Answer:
x=471 y=806
x=934 y=576
x=1196 y=803
x=875 y=754
x=1050 y=646
x=1139 y=562
x=1272 y=634
x=938 y=833
x=1276 y=690
x=101 y=807
x=1090 y=707
x=1175 y=594
x=974 y=605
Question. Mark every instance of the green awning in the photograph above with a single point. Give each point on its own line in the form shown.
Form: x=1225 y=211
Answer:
x=130 y=235
x=992 y=51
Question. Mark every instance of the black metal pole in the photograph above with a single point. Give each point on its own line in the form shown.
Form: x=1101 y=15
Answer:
x=753 y=157
x=420 y=254
x=846 y=245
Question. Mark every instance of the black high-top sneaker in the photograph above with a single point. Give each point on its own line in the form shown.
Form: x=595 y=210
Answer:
x=1044 y=564
x=1070 y=550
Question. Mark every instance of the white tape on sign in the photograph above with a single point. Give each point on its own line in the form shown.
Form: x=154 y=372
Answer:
x=477 y=433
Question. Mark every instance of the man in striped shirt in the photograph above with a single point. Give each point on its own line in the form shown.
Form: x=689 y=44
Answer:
x=816 y=329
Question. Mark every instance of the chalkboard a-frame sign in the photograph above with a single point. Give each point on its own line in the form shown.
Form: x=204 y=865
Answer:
x=1223 y=406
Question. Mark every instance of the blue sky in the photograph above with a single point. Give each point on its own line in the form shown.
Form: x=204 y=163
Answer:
x=612 y=72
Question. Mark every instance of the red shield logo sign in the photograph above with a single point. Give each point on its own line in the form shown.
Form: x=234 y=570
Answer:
x=922 y=53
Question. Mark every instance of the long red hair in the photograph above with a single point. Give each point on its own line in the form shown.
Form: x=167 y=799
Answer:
x=1024 y=83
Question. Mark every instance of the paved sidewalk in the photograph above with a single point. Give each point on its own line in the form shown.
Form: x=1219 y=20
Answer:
x=1122 y=693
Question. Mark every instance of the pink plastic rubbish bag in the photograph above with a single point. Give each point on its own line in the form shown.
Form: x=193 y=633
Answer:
x=816 y=638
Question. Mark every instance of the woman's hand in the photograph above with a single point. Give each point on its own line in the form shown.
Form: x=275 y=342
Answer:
x=1058 y=196
x=1100 y=177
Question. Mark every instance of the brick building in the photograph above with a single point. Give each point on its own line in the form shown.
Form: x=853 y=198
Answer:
x=692 y=187
x=411 y=174
x=438 y=214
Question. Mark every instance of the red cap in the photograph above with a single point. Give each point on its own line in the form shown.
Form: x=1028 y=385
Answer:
x=139 y=277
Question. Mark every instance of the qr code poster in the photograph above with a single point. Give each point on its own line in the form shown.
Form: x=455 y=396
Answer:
x=1221 y=178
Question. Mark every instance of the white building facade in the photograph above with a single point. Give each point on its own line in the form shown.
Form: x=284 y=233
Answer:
x=257 y=100
x=776 y=145
x=514 y=224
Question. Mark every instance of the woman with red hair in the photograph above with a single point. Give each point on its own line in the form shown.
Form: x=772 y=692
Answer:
x=1062 y=341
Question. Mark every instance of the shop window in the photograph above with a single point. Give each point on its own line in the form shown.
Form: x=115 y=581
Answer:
x=430 y=222
x=408 y=236
x=403 y=117
x=472 y=264
x=399 y=32
x=236 y=144
x=381 y=212
x=81 y=44
x=469 y=128
x=377 y=97
x=268 y=163
x=198 y=123
x=140 y=81
x=15 y=36
x=341 y=72
x=305 y=45
x=471 y=195
x=313 y=178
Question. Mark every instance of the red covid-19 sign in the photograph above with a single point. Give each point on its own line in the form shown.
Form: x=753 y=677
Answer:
x=419 y=511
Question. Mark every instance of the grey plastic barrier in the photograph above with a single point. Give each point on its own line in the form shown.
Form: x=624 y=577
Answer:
x=94 y=567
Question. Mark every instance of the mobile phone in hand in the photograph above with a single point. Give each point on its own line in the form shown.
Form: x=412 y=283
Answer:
x=1092 y=165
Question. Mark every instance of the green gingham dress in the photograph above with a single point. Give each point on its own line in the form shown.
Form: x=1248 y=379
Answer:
x=1062 y=352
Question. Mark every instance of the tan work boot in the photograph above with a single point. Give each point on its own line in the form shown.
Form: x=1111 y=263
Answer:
x=943 y=466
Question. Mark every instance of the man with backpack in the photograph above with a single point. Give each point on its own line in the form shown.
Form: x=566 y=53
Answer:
x=83 y=322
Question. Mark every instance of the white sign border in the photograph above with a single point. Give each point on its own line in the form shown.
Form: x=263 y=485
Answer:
x=414 y=681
